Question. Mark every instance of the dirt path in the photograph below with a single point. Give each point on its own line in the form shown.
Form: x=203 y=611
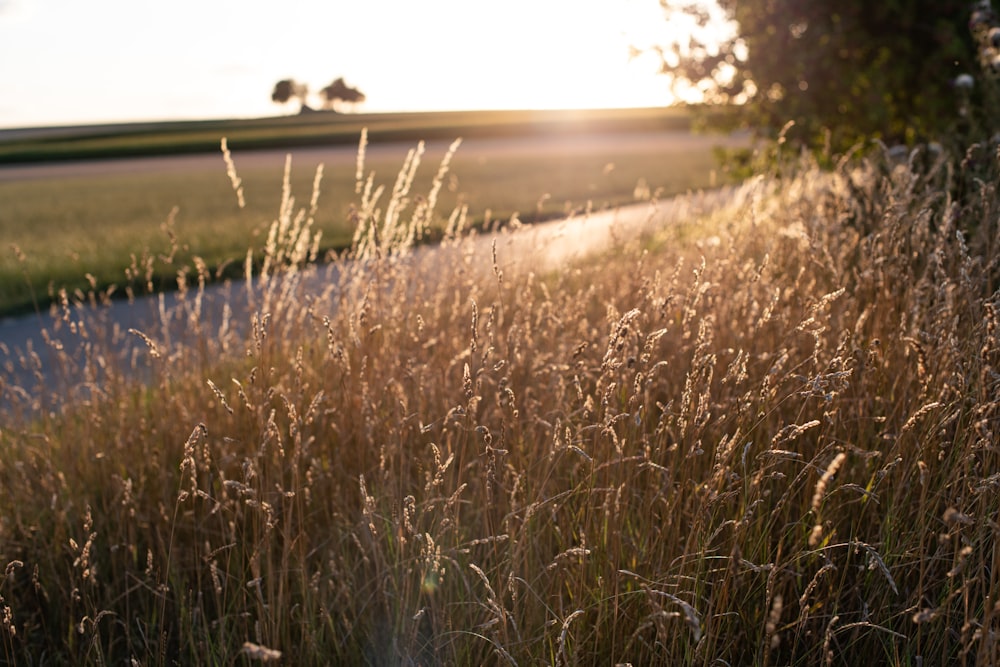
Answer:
x=550 y=245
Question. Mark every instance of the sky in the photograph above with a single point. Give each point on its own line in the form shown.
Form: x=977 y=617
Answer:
x=74 y=62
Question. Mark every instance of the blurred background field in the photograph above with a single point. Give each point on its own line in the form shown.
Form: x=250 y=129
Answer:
x=34 y=144
x=80 y=221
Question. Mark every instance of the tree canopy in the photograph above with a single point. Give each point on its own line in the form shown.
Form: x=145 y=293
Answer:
x=286 y=89
x=858 y=68
x=339 y=90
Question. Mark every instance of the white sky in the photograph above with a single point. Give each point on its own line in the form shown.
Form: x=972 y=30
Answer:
x=81 y=61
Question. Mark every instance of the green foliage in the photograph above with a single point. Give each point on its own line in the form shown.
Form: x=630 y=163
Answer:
x=860 y=69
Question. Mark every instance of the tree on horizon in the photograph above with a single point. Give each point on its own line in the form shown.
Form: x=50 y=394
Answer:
x=286 y=89
x=339 y=90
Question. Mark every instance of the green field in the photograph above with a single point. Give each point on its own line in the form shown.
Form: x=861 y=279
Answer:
x=317 y=128
x=88 y=228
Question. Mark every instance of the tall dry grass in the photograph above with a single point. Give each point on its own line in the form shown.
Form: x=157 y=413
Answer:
x=767 y=437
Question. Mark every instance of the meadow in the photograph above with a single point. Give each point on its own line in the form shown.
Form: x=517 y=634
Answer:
x=27 y=145
x=765 y=436
x=79 y=228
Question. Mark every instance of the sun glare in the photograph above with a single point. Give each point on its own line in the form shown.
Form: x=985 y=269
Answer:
x=110 y=60
x=530 y=55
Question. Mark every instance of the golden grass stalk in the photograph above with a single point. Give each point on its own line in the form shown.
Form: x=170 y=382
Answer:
x=462 y=456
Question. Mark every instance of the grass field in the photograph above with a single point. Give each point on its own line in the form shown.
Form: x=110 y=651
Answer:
x=67 y=228
x=320 y=128
x=767 y=437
